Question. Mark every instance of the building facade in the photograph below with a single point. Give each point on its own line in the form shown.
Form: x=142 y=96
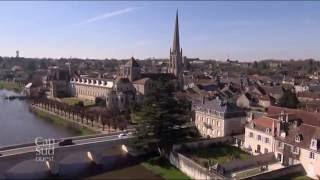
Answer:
x=292 y=135
x=58 y=81
x=216 y=118
x=88 y=88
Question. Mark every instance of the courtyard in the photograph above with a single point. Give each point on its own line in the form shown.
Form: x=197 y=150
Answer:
x=216 y=153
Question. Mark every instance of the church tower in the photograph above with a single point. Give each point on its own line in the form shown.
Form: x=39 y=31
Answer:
x=175 y=61
x=131 y=70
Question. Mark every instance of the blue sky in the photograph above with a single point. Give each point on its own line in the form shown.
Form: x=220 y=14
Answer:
x=241 y=30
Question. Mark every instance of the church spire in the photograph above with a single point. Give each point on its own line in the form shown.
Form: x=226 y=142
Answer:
x=176 y=41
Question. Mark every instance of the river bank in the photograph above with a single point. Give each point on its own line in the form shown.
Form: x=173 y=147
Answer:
x=21 y=125
x=60 y=122
x=11 y=86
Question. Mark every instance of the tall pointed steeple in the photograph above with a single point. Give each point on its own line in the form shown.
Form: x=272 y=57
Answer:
x=176 y=40
x=175 y=62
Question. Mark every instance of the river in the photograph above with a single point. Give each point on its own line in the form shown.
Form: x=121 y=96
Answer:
x=19 y=125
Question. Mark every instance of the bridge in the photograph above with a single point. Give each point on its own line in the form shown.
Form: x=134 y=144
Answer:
x=93 y=145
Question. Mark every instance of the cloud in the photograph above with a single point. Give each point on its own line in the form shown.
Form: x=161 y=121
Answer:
x=105 y=16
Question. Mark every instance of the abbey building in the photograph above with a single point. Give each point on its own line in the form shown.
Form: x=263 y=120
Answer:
x=131 y=84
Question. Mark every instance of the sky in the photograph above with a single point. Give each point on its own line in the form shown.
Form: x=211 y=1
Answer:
x=241 y=30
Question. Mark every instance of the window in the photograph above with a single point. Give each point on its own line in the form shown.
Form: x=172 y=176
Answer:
x=298 y=138
x=259 y=137
x=280 y=144
x=251 y=134
x=295 y=150
x=312 y=155
x=267 y=140
x=268 y=130
x=279 y=157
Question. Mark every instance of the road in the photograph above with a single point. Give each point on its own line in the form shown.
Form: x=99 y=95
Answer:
x=76 y=142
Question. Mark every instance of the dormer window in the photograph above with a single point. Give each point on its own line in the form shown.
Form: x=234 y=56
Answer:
x=252 y=125
x=314 y=144
x=268 y=130
x=298 y=138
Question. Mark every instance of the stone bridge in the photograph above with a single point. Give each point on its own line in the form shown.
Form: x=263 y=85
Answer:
x=94 y=146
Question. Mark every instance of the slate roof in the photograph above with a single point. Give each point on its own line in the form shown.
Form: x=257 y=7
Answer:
x=226 y=109
x=157 y=76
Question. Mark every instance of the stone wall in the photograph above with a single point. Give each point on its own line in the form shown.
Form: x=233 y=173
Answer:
x=191 y=168
x=279 y=173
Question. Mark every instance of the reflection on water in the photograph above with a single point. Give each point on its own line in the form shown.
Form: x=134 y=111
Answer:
x=19 y=125
x=115 y=165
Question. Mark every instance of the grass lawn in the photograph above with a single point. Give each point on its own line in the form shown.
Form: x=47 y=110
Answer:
x=164 y=169
x=73 y=100
x=10 y=86
x=56 y=120
x=220 y=153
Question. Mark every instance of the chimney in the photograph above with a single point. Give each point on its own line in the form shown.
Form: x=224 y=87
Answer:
x=278 y=128
x=272 y=130
x=280 y=118
x=287 y=117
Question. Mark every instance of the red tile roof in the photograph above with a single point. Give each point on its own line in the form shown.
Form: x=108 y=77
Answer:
x=265 y=122
x=310 y=118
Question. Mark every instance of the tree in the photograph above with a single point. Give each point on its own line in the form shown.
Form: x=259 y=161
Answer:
x=79 y=104
x=31 y=66
x=288 y=99
x=99 y=101
x=160 y=120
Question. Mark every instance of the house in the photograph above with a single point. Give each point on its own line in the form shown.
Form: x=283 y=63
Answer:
x=292 y=135
x=218 y=118
x=259 y=135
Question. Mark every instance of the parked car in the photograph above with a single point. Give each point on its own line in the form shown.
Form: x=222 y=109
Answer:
x=66 y=142
x=122 y=135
